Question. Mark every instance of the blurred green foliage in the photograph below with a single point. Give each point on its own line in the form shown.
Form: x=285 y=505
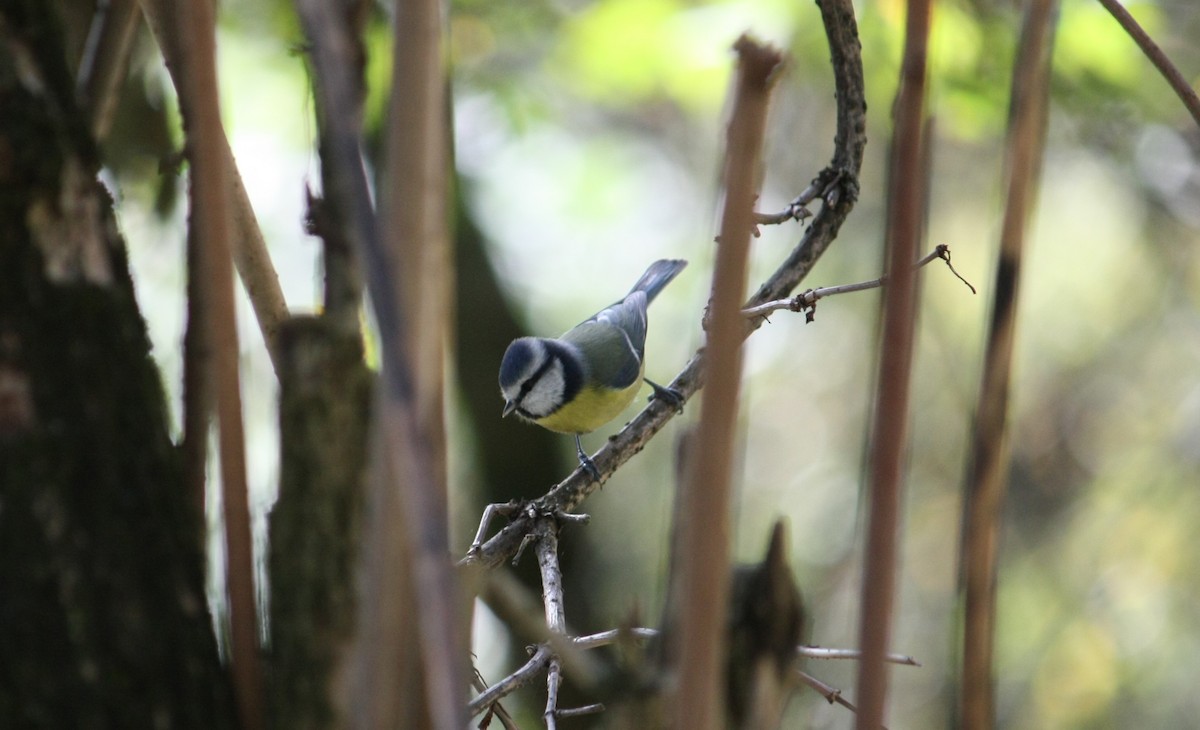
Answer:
x=590 y=134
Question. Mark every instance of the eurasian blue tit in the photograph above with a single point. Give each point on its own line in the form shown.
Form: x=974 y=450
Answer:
x=580 y=381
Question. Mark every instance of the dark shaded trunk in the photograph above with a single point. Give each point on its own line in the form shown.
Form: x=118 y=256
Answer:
x=103 y=619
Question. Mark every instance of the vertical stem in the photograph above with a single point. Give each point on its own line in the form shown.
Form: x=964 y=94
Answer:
x=106 y=61
x=197 y=374
x=407 y=522
x=416 y=230
x=890 y=424
x=705 y=515
x=988 y=470
x=546 y=535
x=210 y=218
x=416 y=239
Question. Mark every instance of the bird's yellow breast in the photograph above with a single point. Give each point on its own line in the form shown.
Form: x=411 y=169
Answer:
x=590 y=409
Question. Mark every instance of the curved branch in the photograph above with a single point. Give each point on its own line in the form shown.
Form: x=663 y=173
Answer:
x=1178 y=83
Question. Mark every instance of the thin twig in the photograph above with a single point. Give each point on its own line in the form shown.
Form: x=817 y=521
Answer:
x=254 y=266
x=495 y=709
x=806 y=301
x=1178 y=83
x=787 y=214
x=818 y=652
x=518 y=608
x=944 y=253
x=105 y=61
x=581 y=711
x=831 y=694
x=526 y=541
x=518 y=679
x=604 y=638
x=573 y=518
x=797 y=210
x=506 y=509
x=514 y=605
x=553 y=681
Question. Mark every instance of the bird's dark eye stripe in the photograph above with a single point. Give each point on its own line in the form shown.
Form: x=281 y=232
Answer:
x=537 y=375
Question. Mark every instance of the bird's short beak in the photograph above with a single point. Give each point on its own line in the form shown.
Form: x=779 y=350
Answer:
x=509 y=407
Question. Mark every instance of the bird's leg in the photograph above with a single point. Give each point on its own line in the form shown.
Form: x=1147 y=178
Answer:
x=585 y=461
x=670 y=396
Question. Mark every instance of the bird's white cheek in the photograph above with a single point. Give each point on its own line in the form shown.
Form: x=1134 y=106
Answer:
x=546 y=395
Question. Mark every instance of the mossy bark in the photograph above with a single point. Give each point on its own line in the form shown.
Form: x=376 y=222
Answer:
x=103 y=618
x=325 y=397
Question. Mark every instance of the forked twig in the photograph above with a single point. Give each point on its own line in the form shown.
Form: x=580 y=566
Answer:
x=806 y=301
x=555 y=648
x=495 y=709
x=501 y=689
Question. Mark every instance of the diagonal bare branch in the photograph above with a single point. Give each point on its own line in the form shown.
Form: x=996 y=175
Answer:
x=105 y=61
x=1178 y=83
x=249 y=249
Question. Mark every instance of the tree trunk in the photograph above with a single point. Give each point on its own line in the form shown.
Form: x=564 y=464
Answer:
x=325 y=405
x=103 y=619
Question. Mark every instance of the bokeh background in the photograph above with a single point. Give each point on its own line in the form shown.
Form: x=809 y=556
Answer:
x=588 y=142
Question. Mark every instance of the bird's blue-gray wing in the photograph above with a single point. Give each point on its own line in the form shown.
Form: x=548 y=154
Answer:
x=628 y=315
x=611 y=356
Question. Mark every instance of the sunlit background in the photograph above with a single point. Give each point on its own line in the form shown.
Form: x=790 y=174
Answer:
x=588 y=139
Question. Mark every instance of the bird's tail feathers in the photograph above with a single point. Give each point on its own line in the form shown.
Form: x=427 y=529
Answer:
x=659 y=274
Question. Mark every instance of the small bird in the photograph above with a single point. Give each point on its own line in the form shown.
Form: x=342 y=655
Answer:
x=580 y=381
